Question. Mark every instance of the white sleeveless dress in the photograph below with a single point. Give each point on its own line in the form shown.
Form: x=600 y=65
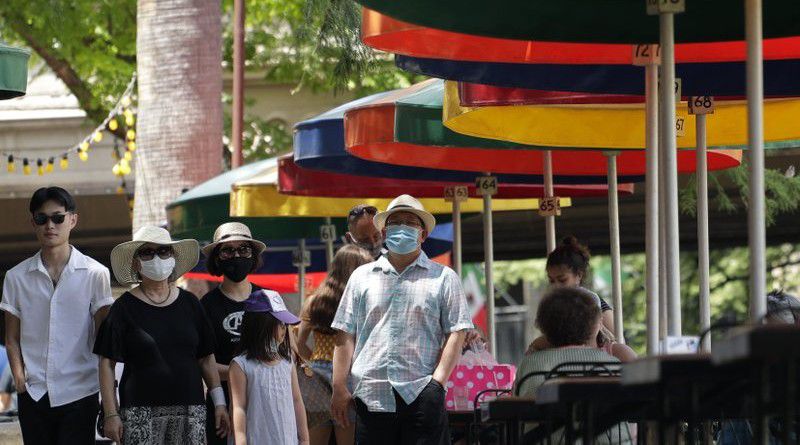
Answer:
x=270 y=407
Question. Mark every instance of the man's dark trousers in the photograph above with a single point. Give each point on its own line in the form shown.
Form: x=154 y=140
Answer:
x=423 y=422
x=70 y=424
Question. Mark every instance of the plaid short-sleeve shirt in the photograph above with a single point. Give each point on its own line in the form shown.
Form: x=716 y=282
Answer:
x=400 y=323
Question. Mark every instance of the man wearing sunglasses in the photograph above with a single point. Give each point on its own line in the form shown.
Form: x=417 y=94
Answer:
x=361 y=230
x=53 y=303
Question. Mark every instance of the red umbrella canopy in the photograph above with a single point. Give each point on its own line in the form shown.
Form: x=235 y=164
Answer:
x=295 y=180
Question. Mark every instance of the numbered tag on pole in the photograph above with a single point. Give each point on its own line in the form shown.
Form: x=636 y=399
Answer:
x=656 y=7
x=701 y=105
x=486 y=185
x=680 y=126
x=327 y=233
x=301 y=258
x=457 y=193
x=646 y=54
x=550 y=206
x=678 y=94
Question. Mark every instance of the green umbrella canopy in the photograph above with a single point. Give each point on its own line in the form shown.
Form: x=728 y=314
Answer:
x=13 y=71
x=199 y=211
x=589 y=21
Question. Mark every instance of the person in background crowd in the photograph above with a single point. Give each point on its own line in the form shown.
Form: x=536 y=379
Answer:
x=162 y=335
x=53 y=303
x=362 y=231
x=233 y=254
x=265 y=395
x=317 y=317
x=570 y=319
x=401 y=320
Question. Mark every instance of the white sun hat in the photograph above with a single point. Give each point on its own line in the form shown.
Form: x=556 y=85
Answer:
x=187 y=254
x=405 y=203
x=234 y=231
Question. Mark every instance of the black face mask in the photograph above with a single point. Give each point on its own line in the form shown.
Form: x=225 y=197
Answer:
x=236 y=268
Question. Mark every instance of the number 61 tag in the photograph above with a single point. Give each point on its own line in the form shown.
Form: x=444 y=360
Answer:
x=550 y=206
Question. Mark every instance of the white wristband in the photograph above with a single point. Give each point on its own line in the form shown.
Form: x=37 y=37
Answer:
x=217 y=396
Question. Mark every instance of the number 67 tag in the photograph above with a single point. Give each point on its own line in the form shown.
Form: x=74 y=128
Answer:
x=550 y=206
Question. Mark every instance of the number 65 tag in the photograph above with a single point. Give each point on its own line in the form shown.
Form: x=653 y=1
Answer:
x=701 y=105
x=550 y=206
x=486 y=185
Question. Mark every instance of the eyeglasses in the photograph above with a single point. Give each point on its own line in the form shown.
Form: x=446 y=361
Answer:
x=243 y=251
x=148 y=254
x=41 y=219
x=362 y=209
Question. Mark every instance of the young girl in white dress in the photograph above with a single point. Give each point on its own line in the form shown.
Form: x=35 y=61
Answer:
x=266 y=403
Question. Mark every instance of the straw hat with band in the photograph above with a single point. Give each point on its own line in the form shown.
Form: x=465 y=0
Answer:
x=405 y=203
x=186 y=252
x=234 y=231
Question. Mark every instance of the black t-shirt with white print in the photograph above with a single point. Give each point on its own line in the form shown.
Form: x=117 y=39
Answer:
x=226 y=319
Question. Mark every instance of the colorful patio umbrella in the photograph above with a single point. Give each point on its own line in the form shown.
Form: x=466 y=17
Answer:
x=13 y=71
x=391 y=35
x=587 y=21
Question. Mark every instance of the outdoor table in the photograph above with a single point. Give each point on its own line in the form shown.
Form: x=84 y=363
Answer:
x=601 y=401
x=690 y=387
x=767 y=350
x=465 y=419
x=511 y=411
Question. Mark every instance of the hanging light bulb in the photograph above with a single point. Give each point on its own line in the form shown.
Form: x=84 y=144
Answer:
x=120 y=190
x=126 y=101
x=64 y=163
x=26 y=167
x=124 y=167
x=83 y=155
x=131 y=135
x=128 y=155
x=39 y=167
x=11 y=167
x=113 y=124
x=49 y=167
x=97 y=136
x=131 y=146
x=129 y=119
x=84 y=146
x=116 y=169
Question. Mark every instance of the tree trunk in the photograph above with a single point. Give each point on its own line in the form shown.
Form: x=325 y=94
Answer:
x=179 y=129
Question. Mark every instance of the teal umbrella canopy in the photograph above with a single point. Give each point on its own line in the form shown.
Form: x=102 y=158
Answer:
x=13 y=71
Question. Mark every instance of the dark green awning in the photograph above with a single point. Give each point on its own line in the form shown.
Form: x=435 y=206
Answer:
x=13 y=71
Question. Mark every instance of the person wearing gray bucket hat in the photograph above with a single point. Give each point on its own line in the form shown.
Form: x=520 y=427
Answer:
x=233 y=254
x=402 y=352
x=162 y=335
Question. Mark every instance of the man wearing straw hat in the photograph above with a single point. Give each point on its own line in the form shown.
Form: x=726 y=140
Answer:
x=54 y=301
x=402 y=321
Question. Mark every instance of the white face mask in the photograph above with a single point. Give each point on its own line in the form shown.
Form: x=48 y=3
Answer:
x=157 y=269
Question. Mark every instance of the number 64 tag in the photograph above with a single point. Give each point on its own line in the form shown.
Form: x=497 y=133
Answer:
x=550 y=206
x=486 y=185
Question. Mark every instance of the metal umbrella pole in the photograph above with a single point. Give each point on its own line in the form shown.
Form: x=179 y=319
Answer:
x=613 y=227
x=456 y=194
x=550 y=220
x=755 y=141
x=328 y=235
x=671 y=255
x=700 y=106
x=487 y=186
x=649 y=57
x=663 y=283
x=300 y=259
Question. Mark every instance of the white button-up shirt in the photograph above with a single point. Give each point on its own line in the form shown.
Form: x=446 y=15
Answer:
x=400 y=322
x=57 y=324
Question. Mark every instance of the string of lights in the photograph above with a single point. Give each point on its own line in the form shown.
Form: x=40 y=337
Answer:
x=122 y=113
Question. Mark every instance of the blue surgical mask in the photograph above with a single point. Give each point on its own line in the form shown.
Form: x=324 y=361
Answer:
x=402 y=239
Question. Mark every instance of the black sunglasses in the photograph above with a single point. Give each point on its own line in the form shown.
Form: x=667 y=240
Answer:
x=148 y=254
x=362 y=209
x=41 y=219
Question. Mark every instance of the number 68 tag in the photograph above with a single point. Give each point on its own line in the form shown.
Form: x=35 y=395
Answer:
x=701 y=105
x=550 y=206
x=655 y=7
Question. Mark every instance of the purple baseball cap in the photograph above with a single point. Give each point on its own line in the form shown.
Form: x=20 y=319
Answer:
x=270 y=301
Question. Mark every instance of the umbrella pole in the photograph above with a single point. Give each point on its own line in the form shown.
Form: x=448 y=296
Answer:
x=755 y=140
x=662 y=237
x=301 y=272
x=488 y=254
x=328 y=245
x=669 y=146
x=702 y=230
x=613 y=226
x=651 y=208
x=549 y=221
x=457 y=236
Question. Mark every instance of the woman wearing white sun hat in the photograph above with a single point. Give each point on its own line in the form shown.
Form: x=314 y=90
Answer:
x=164 y=339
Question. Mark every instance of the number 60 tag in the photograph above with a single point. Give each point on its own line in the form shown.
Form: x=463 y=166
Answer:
x=550 y=206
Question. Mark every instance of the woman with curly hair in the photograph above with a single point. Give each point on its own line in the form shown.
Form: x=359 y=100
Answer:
x=316 y=319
